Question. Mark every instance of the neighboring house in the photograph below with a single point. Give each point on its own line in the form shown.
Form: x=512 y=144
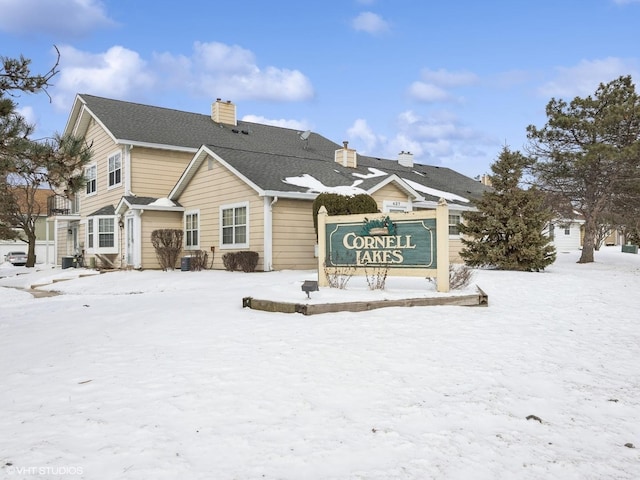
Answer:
x=44 y=238
x=566 y=235
x=229 y=185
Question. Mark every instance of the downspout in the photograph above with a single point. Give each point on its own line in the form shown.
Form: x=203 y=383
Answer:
x=55 y=240
x=127 y=169
x=268 y=232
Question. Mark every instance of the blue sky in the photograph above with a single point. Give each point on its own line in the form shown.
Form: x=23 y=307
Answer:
x=450 y=81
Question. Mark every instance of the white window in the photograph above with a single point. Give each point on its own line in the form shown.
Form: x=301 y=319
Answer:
x=191 y=230
x=115 y=169
x=102 y=234
x=90 y=233
x=454 y=222
x=106 y=233
x=91 y=175
x=234 y=225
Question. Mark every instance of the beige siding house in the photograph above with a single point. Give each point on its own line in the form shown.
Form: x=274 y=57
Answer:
x=229 y=185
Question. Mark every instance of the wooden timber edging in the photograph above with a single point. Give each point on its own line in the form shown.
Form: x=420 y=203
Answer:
x=479 y=299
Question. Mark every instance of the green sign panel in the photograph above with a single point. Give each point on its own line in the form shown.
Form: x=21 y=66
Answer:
x=399 y=244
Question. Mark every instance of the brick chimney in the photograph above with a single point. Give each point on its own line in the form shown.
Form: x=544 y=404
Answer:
x=405 y=159
x=347 y=157
x=224 y=112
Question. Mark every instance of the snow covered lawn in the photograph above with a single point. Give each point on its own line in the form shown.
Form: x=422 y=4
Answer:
x=163 y=375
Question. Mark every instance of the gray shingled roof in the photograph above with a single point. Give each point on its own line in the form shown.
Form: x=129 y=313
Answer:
x=106 y=210
x=265 y=154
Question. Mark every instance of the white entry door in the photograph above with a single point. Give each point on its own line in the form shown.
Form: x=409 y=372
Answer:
x=132 y=237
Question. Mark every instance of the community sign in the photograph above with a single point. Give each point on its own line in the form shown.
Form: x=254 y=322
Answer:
x=403 y=243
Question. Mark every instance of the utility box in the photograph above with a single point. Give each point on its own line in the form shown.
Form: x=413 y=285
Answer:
x=185 y=264
x=67 y=262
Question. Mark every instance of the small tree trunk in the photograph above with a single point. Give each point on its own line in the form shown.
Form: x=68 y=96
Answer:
x=31 y=251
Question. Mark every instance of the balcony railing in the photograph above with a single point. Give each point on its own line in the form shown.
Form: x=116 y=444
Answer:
x=60 y=205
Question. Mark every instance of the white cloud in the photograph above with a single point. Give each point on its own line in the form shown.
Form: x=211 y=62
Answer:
x=583 y=79
x=282 y=122
x=426 y=92
x=118 y=73
x=362 y=132
x=434 y=84
x=219 y=70
x=29 y=114
x=439 y=138
x=214 y=70
x=62 y=18
x=219 y=57
x=371 y=23
x=445 y=78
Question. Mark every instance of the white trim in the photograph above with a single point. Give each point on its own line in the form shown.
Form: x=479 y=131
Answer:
x=268 y=204
x=290 y=195
x=184 y=226
x=109 y=157
x=120 y=208
x=396 y=206
x=401 y=183
x=97 y=249
x=94 y=166
x=87 y=239
x=136 y=253
x=126 y=164
x=458 y=214
x=430 y=205
x=230 y=206
x=157 y=146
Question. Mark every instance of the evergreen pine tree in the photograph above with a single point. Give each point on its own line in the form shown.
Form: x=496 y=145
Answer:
x=507 y=230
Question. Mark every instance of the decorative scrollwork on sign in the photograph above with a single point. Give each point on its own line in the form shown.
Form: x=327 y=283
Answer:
x=382 y=226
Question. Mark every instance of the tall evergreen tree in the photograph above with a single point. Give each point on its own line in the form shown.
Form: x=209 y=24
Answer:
x=507 y=230
x=588 y=153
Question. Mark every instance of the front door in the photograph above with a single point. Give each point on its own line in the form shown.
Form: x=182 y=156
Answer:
x=132 y=240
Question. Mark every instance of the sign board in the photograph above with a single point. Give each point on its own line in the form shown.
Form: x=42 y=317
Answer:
x=404 y=243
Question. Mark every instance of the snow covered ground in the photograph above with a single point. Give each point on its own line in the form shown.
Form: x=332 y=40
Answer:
x=163 y=375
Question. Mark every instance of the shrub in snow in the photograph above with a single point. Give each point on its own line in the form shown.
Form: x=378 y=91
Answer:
x=338 y=276
x=376 y=276
x=198 y=260
x=459 y=276
x=245 y=261
x=168 y=244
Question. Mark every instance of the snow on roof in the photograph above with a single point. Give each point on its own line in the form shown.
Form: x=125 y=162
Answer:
x=374 y=172
x=316 y=186
x=435 y=192
x=163 y=202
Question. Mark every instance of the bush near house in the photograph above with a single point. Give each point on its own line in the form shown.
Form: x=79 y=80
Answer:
x=337 y=204
x=245 y=261
x=168 y=245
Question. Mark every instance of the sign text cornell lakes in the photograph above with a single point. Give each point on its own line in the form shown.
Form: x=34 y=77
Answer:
x=402 y=244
